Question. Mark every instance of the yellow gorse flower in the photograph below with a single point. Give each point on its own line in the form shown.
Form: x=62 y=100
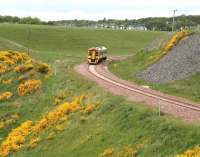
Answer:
x=51 y=135
x=174 y=40
x=55 y=118
x=89 y=108
x=43 y=68
x=12 y=57
x=107 y=152
x=5 y=96
x=8 y=120
x=13 y=61
x=16 y=138
x=23 y=67
x=3 y=69
x=7 y=81
x=194 y=152
x=34 y=142
x=29 y=87
x=127 y=151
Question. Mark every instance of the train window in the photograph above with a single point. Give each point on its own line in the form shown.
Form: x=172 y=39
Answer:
x=92 y=52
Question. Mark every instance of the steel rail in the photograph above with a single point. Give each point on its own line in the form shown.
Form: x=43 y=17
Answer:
x=93 y=71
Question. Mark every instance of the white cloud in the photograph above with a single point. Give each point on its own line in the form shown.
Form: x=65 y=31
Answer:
x=96 y=9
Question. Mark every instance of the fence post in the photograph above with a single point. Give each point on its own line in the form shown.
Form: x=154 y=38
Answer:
x=55 y=72
x=159 y=107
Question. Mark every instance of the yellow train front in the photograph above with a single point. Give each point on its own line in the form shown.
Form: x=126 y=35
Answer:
x=96 y=55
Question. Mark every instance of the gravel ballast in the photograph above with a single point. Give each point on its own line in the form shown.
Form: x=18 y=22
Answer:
x=182 y=61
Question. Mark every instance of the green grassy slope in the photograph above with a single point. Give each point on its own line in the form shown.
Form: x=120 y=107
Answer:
x=57 y=42
x=116 y=124
x=6 y=44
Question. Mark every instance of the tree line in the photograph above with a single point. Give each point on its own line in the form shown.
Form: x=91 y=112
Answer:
x=25 y=20
x=151 y=23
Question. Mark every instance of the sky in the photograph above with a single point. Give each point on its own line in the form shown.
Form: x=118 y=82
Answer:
x=97 y=9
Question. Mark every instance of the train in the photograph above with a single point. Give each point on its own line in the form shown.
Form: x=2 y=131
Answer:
x=97 y=54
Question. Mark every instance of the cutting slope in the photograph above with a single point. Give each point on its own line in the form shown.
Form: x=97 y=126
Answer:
x=182 y=61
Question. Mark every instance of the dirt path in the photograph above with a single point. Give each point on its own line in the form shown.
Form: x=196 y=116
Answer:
x=172 y=105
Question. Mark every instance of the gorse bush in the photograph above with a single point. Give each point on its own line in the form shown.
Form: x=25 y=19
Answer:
x=175 y=39
x=55 y=119
x=19 y=68
x=194 y=152
x=167 y=48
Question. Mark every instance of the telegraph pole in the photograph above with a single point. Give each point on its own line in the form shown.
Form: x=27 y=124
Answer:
x=173 y=23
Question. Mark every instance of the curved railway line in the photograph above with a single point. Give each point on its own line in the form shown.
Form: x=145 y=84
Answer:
x=168 y=104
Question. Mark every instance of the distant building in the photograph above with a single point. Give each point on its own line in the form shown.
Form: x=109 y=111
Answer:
x=139 y=27
x=108 y=26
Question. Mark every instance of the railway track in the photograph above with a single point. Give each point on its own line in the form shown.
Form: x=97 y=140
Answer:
x=143 y=92
x=167 y=104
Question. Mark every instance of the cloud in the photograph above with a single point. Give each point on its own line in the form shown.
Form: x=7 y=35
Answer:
x=96 y=9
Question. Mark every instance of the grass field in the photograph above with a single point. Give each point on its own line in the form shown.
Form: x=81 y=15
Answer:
x=116 y=124
x=58 y=42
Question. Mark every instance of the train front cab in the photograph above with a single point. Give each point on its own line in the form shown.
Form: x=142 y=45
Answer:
x=93 y=57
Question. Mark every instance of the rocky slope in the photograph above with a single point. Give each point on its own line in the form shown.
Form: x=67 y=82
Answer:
x=182 y=61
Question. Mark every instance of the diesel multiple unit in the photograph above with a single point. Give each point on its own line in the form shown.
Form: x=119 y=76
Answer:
x=96 y=54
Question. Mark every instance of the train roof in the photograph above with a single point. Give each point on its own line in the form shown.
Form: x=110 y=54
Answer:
x=98 y=48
